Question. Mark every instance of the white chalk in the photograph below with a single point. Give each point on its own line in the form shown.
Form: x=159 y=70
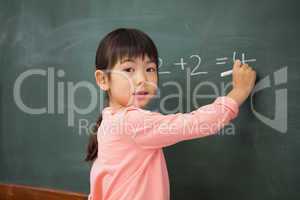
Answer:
x=227 y=73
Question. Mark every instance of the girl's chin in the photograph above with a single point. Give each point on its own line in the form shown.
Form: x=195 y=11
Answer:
x=140 y=103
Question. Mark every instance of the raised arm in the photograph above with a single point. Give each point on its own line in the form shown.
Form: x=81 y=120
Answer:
x=155 y=130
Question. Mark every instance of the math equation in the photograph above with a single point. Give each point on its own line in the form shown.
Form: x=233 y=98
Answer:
x=182 y=64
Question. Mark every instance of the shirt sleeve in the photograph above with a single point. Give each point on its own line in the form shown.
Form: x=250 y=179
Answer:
x=152 y=130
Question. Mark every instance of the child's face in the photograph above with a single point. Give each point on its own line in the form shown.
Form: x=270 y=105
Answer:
x=130 y=76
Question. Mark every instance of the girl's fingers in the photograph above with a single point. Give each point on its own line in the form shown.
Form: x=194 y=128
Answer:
x=237 y=64
x=247 y=67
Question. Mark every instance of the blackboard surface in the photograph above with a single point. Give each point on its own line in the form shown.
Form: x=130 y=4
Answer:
x=46 y=45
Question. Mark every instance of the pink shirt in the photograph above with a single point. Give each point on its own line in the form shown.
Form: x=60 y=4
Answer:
x=131 y=164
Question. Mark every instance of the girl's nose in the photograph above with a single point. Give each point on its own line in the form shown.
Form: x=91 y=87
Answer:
x=140 y=77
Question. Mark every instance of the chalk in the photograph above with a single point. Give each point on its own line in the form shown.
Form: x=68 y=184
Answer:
x=227 y=73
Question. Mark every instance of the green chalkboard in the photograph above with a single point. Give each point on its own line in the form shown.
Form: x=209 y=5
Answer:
x=47 y=51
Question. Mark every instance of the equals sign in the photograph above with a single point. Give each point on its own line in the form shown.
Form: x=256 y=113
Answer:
x=221 y=61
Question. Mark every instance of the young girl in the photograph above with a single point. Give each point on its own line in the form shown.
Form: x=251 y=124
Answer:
x=126 y=152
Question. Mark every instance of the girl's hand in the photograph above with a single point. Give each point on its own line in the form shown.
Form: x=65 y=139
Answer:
x=243 y=77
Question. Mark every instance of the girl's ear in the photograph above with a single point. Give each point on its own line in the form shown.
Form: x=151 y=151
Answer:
x=101 y=79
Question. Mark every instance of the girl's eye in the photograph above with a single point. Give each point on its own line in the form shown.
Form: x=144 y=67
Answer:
x=130 y=69
x=151 y=69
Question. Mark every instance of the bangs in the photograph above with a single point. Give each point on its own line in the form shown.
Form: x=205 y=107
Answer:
x=131 y=44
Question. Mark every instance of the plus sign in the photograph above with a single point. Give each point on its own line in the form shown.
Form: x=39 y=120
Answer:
x=181 y=63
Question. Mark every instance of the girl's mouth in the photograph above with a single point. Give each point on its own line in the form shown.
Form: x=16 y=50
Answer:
x=141 y=95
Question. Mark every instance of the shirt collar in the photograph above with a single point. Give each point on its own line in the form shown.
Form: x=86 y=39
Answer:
x=111 y=111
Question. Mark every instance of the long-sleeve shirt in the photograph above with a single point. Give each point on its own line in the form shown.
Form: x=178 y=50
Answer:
x=130 y=164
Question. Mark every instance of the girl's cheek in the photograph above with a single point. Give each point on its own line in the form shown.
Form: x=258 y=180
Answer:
x=121 y=78
x=126 y=84
x=154 y=80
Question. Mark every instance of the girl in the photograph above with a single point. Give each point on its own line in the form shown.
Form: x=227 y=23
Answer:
x=126 y=150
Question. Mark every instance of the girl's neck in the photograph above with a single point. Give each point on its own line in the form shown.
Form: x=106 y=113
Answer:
x=115 y=106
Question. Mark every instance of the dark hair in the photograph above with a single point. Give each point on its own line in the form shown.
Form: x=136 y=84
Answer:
x=116 y=45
